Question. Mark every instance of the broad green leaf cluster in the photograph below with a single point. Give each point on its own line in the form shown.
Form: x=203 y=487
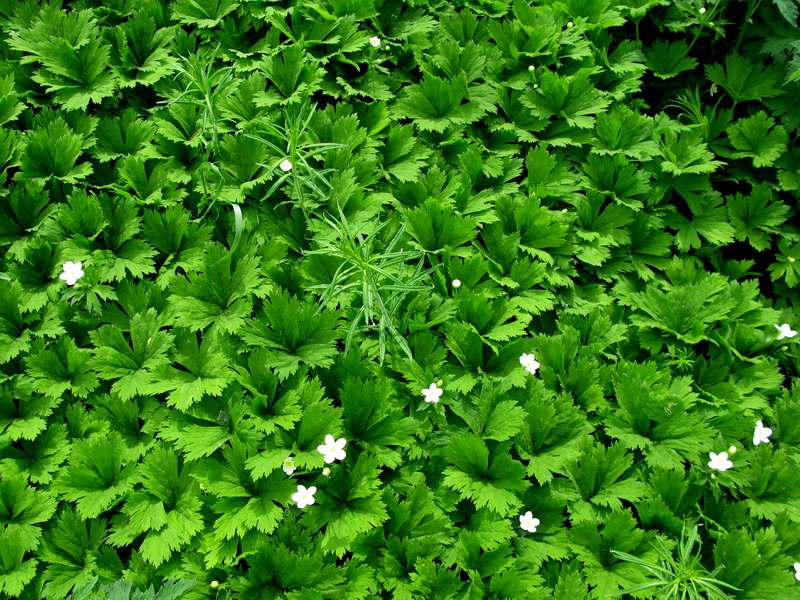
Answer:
x=573 y=223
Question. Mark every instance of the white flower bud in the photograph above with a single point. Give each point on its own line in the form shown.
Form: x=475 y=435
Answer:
x=286 y=165
x=531 y=68
x=375 y=41
x=570 y=24
x=456 y=283
x=732 y=450
x=326 y=471
x=703 y=10
x=214 y=584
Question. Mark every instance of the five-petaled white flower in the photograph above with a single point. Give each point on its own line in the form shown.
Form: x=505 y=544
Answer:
x=375 y=41
x=72 y=272
x=784 y=330
x=797 y=571
x=433 y=393
x=332 y=449
x=289 y=466
x=304 y=496
x=719 y=461
x=528 y=523
x=286 y=165
x=761 y=434
x=529 y=362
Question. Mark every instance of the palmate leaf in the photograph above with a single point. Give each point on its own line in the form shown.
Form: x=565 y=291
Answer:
x=62 y=367
x=435 y=103
x=140 y=55
x=709 y=220
x=22 y=509
x=436 y=227
x=668 y=59
x=593 y=544
x=101 y=469
x=15 y=570
x=758 y=138
x=210 y=424
x=53 y=151
x=220 y=295
x=205 y=13
x=200 y=370
x=572 y=98
x=756 y=217
x=488 y=478
x=131 y=363
x=293 y=333
x=71 y=549
x=78 y=76
x=23 y=412
x=242 y=502
x=603 y=478
x=166 y=509
x=744 y=80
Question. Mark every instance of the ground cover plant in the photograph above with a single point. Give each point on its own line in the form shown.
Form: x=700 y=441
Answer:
x=360 y=299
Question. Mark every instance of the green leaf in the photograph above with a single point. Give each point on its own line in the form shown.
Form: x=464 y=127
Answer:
x=63 y=367
x=131 y=360
x=101 y=469
x=756 y=217
x=744 y=80
x=488 y=478
x=758 y=137
x=293 y=333
x=669 y=59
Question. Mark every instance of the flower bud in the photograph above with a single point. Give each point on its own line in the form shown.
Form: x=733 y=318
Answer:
x=326 y=471
x=570 y=24
x=703 y=10
x=214 y=584
x=456 y=283
x=531 y=68
x=732 y=450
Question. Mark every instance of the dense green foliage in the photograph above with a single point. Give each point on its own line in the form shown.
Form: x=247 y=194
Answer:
x=292 y=217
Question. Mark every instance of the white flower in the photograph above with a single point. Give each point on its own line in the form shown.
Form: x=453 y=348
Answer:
x=289 y=466
x=433 y=393
x=714 y=89
x=332 y=449
x=529 y=362
x=456 y=283
x=375 y=41
x=797 y=571
x=304 y=496
x=286 y=165
x=527 y=522
x=761 y=434
x=72 y=272
x=784 y=330
x=719 y=461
